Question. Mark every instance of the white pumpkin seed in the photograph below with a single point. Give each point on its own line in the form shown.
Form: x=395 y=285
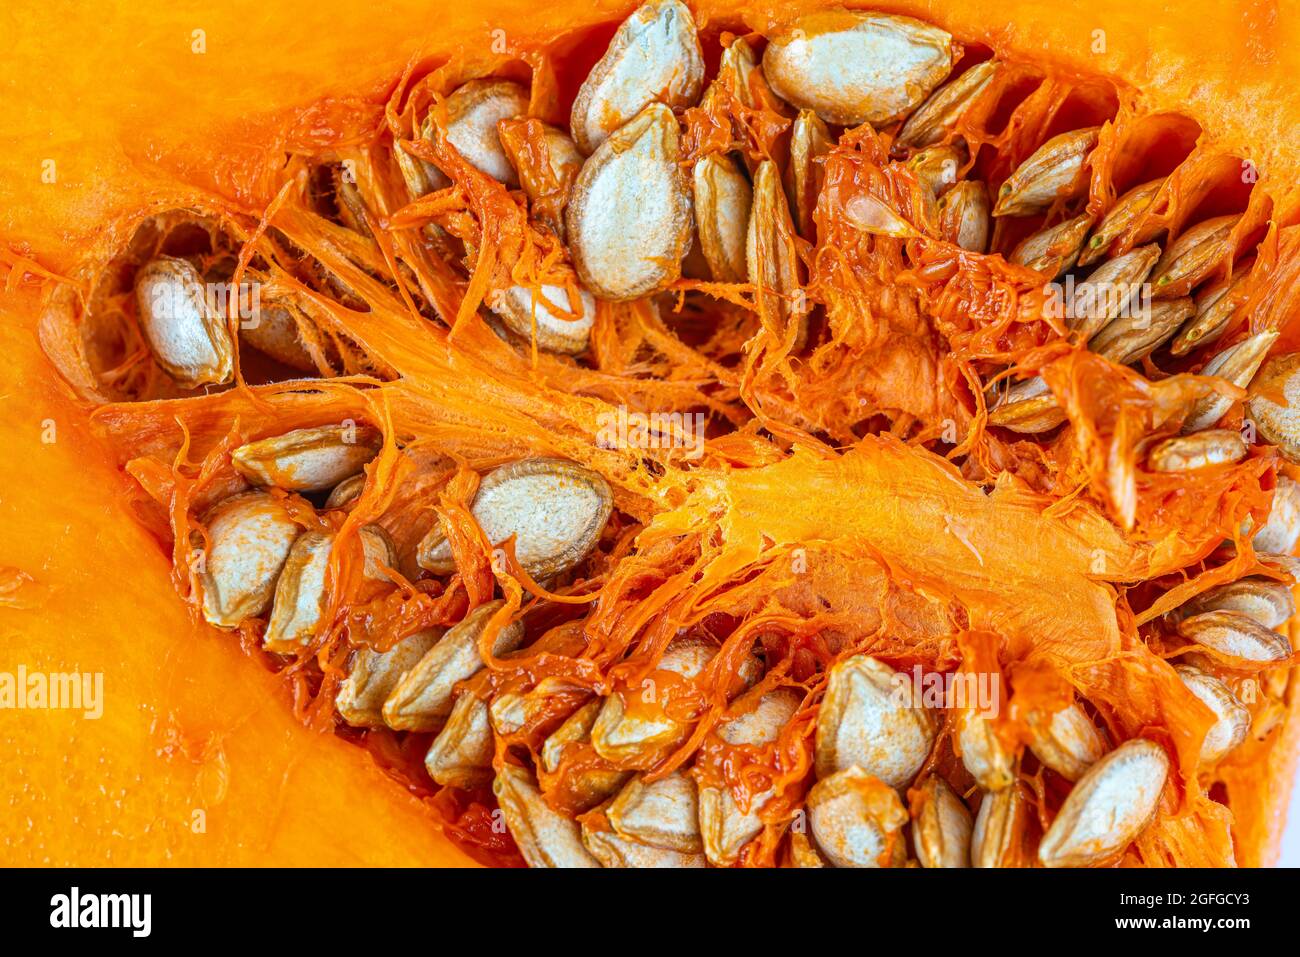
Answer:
x=964 y=216
x=189 y=337
x=1109 y=807
x=1050 y=174
x=473 y=112
x=1215 y=305
x=308 y=460
x=275 y=333
x=1231 y=717
x=629 y=219
x=555 y=509
x=616 y=850
x=561 y=324
x=1266 y=601
x=941 y=832
x=1067 y=742
x=662 y=813
x=1054 y=250
x=374 y=675
x=999 y=828
x=249 y=539
x=810 y=139
x=857 y=820
x=1236 y=364
x=346 y=493
x=1237 y=635
x=772 y=258
x=722 y=201
x=868 y=719
x=982 y=752
x=1111 y=289
x=424 y=695
x=855 y=67
x=1277 y=422
x=938 y=115
x=1193 y=256
x=1184 y=453
x=654 y=56
x=461 y=755
x=1119 y=218
x=1133 y=337
x=545 y=837
x=1279 y=534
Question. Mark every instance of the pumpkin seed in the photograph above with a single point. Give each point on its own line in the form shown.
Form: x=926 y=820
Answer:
x=999 y=828
x=1236 y=635
x=739 y=66
x=1193 y=256
x=374 y=675
x=1054 y=250
x=1109 y=807
x=724 y=828
x=424 y=695
x=1266 y=601
x=545 y=837
x=1050 y=174
x=722 y=202
x=810 y=139
x=1067 y=742
x=588 y=784
x=938 y=169
x=1279 y=377
x=1126 y=211
x=560 y=322
x=555 y=509
x=629 y=219
x=1236 y=364
x=941 y=833
x=937 y=117
x=249 y=539
x=189 y=338
x=346 y=493
x=461 y=755
x=473 y=112
x=276 y=334
x=549 y=183
x=1130 y=338
x=771 y=256
x=857 y=820
x=662 y=813
x=856 y=67
x=964 y=216
x=1215 y=305
x=308 y=460
x=300 y=593
x=612 y=849
x=868 y=719
x=654 y=56
x=1184 y=453
x=1027 y=407
x=1231 y=717
x=1279 y=534
x=982 y=753
x=1110 y=291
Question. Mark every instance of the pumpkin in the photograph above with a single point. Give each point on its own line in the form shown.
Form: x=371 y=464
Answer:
x=198 y=757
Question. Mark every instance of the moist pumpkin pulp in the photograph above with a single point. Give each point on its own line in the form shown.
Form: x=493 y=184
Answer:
x=876 y=515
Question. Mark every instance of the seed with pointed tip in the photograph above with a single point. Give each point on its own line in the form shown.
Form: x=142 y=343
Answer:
x=1133 y=337
x=308 y=460
x=424 y=695
x=654 y=55
x=1279 y=533
x=941 y=832
x=857 y=820
x=722 y=202
x=868 y=719
x=374 y=675
x=855 y=67
x=189 y=337
x=1113 y=288
x=1268 y=602
x=1067 y=741
x=1236 y=635
x=999 y=828
x=772 y=259
x=1279 y=422
x=1108 y=808
x=810 y=139
x=964 y=216
x=982 y=752
x=346 y=493
x=1050 y=174
x=545 y=837
x=1185 y=453
x=461 y=755
x=1193 y=256
x=249 y=539
x=1054 y=250
x=473 y=112
x=613 y=849
x=1231 y=717
x=937 y=116
x=560 y=321
x=1236 y=364
x=1215 y=305
x=629 y=219
x=1126 y=211
x=662 y=813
